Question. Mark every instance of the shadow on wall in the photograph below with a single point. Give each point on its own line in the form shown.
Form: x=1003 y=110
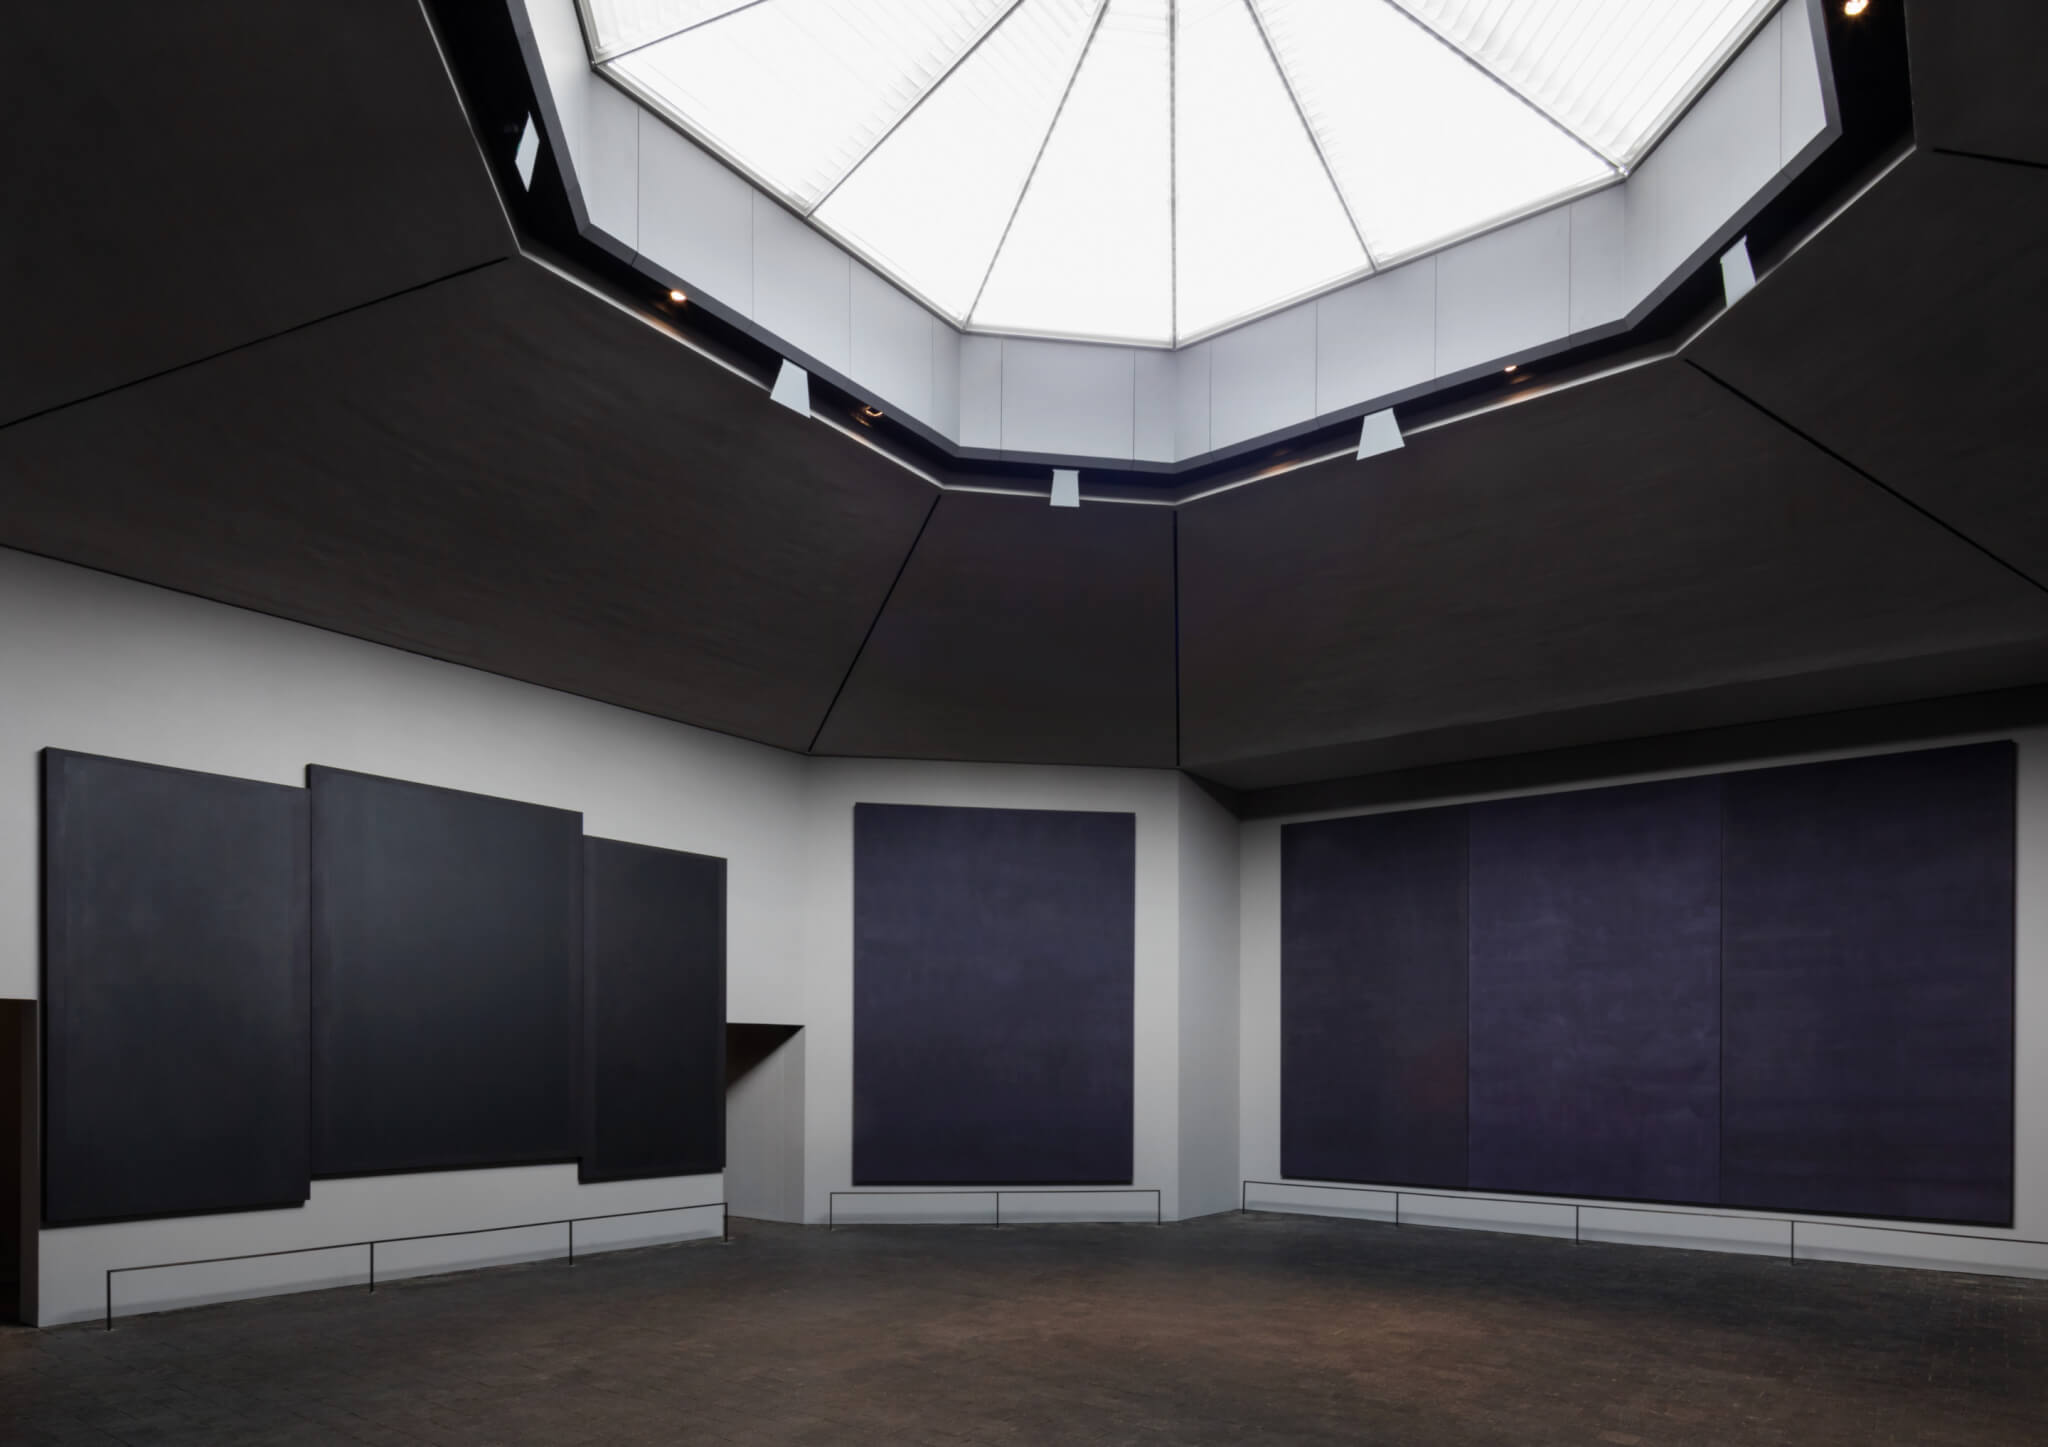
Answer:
x=18 y=1186
x=764 y=1121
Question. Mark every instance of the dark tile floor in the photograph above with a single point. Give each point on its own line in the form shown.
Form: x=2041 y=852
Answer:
x=1256 y=1329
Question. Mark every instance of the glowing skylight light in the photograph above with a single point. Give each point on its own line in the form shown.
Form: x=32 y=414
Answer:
x=1155 y=170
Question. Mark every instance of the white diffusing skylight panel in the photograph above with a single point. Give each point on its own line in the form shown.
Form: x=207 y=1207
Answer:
x=930 y=204
x=619 y=25
x=1425 y=147
x=1257 y=218
x=1616 y=72
x=1089 y=253
x=797 y=91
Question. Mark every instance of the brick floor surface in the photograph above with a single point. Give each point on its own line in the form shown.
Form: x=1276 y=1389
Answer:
x=1233 y=1329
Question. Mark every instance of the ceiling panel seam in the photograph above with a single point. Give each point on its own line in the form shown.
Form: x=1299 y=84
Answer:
x=1486 y=70
x=908 y=111
x=679 y=30
x=875 y=622
x=1173 y=168
x=1875 y=481
x=1094 y=29
x=282 y=332
x=1986 y=156
x=1314 y=140
x=483 y=152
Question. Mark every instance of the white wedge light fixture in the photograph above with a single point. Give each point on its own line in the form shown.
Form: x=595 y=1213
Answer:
x=1738 y=273
x=793 y=387
x=527 y=152
x=1378 y=433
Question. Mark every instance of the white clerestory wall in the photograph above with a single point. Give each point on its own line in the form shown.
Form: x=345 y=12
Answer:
x=1575 y=274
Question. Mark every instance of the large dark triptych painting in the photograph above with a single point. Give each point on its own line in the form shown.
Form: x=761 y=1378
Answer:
x=247 y=986
x=1373 y=1061
x=1786 y=989
x=1595 y=969
x=993 y=996
x=654 y=1012
x=174 y=991
x=447 y=977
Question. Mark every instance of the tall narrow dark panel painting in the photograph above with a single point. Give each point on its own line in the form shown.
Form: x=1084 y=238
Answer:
x=447 y=978
x=993 y=958
x=653 y=1012
x=174 y=989
x=1595 y=959
x=1373 y=999
x=1869 y=987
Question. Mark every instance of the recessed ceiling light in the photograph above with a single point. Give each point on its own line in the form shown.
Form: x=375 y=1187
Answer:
x=677 y=297
x=1510 y=367
x=1854 y=8
x=870 y=412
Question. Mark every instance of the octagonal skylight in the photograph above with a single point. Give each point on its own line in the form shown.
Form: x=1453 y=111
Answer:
x=1155 y=170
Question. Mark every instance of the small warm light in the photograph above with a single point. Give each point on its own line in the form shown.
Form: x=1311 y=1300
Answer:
x=871 y=413
x=677 y=297
x=1511 y=368
x=1854 y=8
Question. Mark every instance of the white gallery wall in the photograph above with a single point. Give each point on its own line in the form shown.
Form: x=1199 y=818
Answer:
x=1208 y=1004
x=1964 y=1248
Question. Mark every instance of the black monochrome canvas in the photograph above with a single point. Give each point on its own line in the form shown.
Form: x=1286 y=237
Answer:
x=654 y=1012
x=1595 y=960
x=447 y=977
x=1373 y=999
x=993 y=978
x=174 y=990
x=1869 y=987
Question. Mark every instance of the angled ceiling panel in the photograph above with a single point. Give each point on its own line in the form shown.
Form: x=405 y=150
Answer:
x=1424 y=146
x=1256 y=214
x=502 y=471
x=1089 y=250
x=798 y=91
x=1907 y=338
x=1977 y=75
x=981 y=131
x=1615 y=72
x=1649 y=534
x=183 y=179
x=1022 y=633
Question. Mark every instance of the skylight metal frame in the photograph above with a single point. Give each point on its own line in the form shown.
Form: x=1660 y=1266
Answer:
x=1616 y=170
x=1031 y=172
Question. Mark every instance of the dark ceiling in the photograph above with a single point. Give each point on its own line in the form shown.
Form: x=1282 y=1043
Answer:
x=271 y=339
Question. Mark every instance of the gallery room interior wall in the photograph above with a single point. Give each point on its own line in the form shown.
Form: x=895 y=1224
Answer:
x=1979 y=1248
x=102 y=665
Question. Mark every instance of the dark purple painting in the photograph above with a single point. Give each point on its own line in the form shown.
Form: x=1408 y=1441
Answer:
x=1595 y=993
x=1372 y=999
x=992 y=984
x=1869 y=987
